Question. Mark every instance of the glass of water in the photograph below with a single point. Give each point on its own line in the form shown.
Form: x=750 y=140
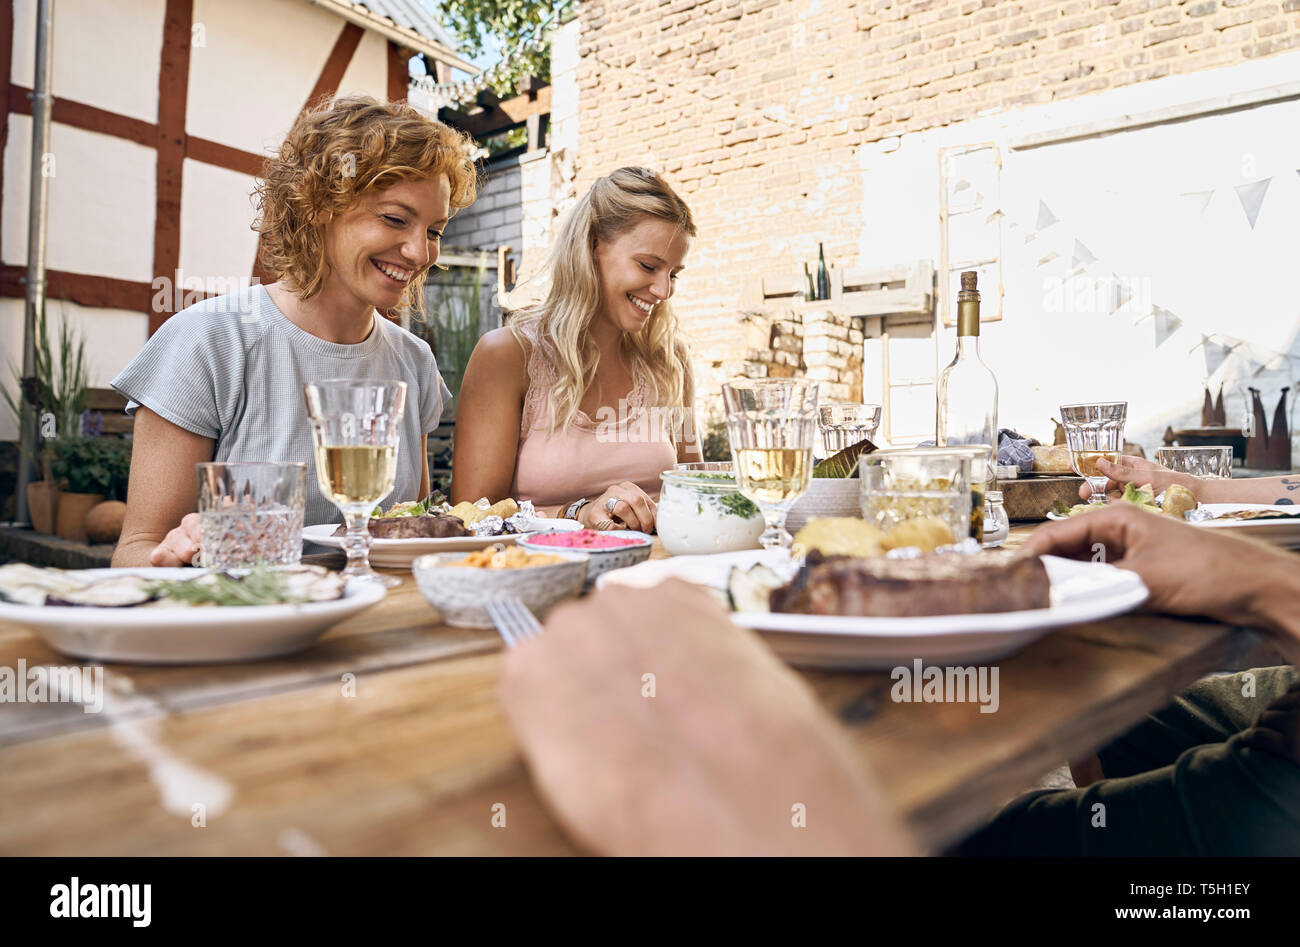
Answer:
x=843 y=425
x=250 y=514
x=1212 y=462
x=1094 y=432
x=915 y=483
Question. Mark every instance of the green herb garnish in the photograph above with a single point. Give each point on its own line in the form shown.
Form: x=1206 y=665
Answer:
x=738 y=504
x=260 y=587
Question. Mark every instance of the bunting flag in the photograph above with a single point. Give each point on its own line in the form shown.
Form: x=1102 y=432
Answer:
x=1082 y=256
x=1121 y=293
x=1046 y=218
x=1215 y=354
x=1166 y=324
x=1199 y=200
x=1252 y=198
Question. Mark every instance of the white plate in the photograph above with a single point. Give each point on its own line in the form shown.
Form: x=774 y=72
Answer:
x=400 y=553
x=180 y=635
x=1081 y=591
x=1284 y=533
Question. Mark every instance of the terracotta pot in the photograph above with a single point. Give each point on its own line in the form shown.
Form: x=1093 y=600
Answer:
x=73 y=508
x=43 y=505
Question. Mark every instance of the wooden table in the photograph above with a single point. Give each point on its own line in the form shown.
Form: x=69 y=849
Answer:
x=387 y=739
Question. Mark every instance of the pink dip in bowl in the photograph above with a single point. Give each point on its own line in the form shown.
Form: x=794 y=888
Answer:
x=584 y=539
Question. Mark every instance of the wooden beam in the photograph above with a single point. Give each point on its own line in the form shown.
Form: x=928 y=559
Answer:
x=223 y=156
x=501 y=117
x=173 y=94
x=87 y=117
x=101 y=292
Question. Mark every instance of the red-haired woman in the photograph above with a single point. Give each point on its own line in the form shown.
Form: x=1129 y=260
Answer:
x=351 y=213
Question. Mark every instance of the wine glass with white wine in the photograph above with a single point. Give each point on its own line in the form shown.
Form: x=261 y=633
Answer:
x=1094 y=432
x=771 y=423
x=356 y=426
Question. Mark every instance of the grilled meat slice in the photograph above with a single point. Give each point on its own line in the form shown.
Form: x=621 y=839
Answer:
x=429 y=526
x=904 y=588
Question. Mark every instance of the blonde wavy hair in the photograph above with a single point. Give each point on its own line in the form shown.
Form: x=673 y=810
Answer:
x=335 y=153
x=615 y=204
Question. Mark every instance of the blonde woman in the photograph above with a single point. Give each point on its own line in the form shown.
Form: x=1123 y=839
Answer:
x=352 y=210
x=582 y=401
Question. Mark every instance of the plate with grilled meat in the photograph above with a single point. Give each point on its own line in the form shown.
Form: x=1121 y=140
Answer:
x=874 y=613
x=1277 y=524
x=396 y=542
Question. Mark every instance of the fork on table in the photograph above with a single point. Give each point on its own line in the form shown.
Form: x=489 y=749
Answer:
x=512 y=619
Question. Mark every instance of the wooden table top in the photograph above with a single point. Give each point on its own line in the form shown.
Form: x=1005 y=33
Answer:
x=386 y=738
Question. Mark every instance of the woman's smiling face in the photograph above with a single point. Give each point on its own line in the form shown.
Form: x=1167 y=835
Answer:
x=386 y=239
x=638 y=270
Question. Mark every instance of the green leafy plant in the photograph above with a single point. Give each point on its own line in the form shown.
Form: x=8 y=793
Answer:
x=453 y=329
x=91 y=465
x=58 y=388
x=486 y=26
x=715 y=446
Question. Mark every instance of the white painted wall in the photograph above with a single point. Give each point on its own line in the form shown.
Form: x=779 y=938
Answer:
x=113 y=337
x=1128 y=197
x=258 y=64
x=217 y=242
x=102 y=194
x=368 y=71
x=105 y=55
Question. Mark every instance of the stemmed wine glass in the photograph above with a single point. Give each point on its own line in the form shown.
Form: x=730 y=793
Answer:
x=1093 y=432
x=771 y=423
x=356 y=426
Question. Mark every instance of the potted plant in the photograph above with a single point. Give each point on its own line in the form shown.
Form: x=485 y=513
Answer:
x=58 y=392
x=88 y=469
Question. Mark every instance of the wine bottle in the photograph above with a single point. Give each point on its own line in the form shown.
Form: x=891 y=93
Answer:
x=967 y=403
x=823 y=276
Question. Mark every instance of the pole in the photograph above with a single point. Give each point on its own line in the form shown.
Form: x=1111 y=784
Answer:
x=38 y=204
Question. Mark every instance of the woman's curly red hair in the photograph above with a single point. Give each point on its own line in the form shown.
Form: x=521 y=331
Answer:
x=335 y=153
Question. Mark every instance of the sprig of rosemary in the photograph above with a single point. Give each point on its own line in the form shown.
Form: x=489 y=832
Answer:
x=260 y=587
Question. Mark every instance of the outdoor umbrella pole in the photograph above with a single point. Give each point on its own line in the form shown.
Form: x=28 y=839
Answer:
x=36 y=221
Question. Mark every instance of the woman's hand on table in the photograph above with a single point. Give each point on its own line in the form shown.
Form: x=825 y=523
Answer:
x=180 y=546
x=631 y=508
x=1139 y=471
x=653 y=725
x=1189 y=570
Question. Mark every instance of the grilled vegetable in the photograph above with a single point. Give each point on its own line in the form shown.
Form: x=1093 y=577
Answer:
x=750 y=590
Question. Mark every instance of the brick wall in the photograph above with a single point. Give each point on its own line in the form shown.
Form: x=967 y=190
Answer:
x=756 y=108
x=495 y=218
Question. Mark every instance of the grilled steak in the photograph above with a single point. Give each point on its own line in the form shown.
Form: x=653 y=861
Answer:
x=429 y=526
x=904 y=588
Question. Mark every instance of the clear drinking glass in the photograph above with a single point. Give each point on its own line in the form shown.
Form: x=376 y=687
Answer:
x=771 y=423
x=911 y=483
x=1093 y=432
x=356 y=426
x=843 y=425
x=1213 y=462
x=251 y=513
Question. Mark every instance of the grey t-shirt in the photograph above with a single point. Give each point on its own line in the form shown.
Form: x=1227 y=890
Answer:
x=232 y=368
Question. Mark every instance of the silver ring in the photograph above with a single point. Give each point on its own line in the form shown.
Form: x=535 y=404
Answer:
x=610 y=504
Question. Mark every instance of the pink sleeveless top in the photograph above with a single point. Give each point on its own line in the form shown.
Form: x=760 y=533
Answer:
x=585 y=458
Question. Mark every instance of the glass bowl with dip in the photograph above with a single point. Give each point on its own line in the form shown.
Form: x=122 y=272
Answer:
x=603 y=549
x=702 y=511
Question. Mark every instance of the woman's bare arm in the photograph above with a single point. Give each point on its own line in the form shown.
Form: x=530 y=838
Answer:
x=161 y=490
x=488 y=418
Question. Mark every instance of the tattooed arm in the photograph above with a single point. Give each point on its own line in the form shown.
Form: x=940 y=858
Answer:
x=1283 y=491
